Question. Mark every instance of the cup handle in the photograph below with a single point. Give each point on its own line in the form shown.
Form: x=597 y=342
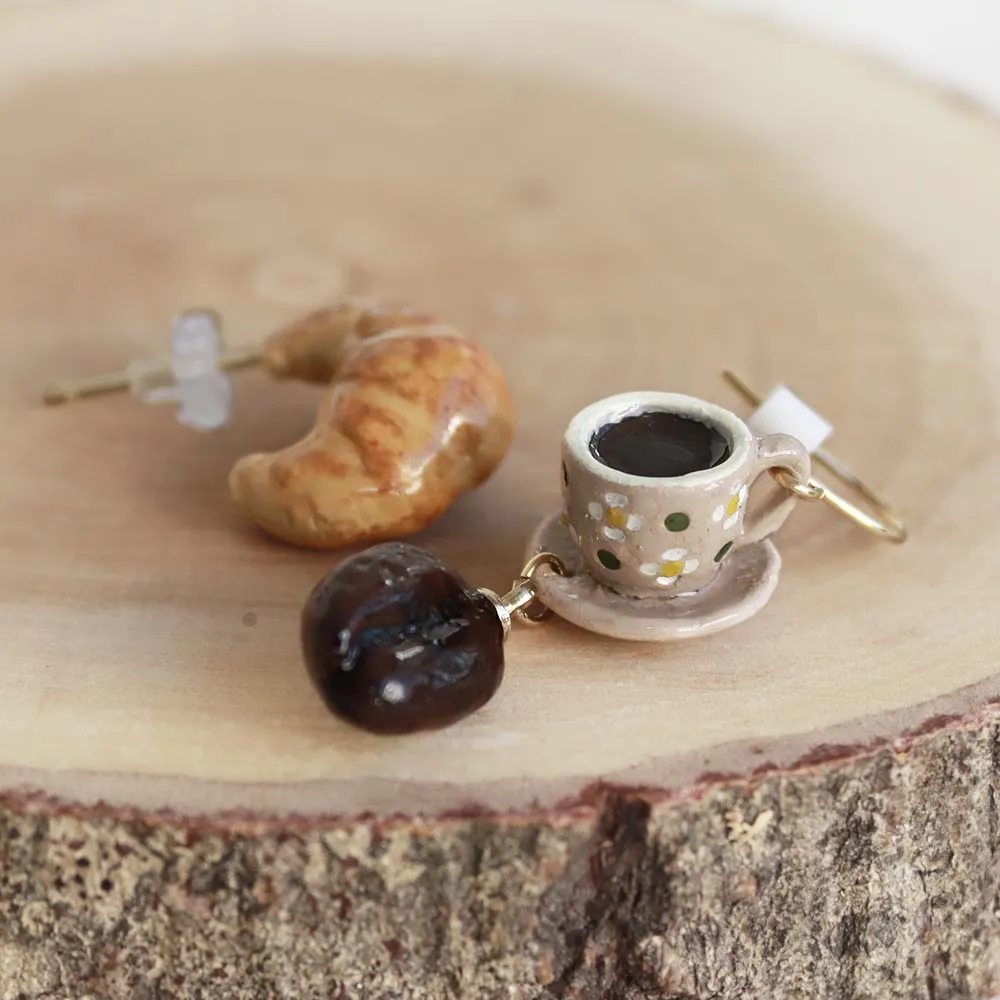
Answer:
x=775 y=451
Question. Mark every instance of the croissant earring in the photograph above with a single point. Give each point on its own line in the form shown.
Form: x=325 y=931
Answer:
x=415 y=415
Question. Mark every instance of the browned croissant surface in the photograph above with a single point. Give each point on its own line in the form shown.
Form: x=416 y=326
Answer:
x=415 y=416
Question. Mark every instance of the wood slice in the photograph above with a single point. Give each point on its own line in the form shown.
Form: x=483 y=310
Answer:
x=611 y=197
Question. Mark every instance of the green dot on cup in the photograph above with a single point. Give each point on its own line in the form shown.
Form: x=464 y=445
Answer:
x=723 y=552
x=677 y=522
x=608 y=559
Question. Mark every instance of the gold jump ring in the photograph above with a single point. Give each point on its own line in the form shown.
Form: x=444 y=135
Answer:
x=536 y=562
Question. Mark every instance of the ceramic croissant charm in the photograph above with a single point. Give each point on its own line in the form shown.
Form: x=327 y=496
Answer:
x=415 y=415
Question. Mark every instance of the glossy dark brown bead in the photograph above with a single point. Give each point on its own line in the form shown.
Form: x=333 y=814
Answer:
x=396 y=642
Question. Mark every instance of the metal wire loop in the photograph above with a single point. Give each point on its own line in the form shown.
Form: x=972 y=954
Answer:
x=877 y=517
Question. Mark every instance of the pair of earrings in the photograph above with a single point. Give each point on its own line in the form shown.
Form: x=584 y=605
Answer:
x=654 y=540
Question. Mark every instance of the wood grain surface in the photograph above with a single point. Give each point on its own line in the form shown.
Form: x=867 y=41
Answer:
x=610 y=196
x=607 y=203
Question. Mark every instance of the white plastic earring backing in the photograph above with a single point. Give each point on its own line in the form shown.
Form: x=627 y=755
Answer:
x=193 y=375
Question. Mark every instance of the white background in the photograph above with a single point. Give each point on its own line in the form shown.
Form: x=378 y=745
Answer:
x=954 y=43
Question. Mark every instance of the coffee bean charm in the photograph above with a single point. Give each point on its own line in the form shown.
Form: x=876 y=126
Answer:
x=397 y=642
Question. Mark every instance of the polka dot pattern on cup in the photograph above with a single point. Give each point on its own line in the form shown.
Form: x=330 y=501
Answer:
x=723 y=552
x=616 y=520
x=608 y=559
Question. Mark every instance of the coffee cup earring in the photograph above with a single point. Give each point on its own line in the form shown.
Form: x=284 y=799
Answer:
x=630 y=526
x=415 y=414
x=657 y=540
x=657 y=533
x=655 y=529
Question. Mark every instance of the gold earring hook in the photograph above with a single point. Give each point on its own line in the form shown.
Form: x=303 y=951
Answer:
x=98 y=385
x=881 y=520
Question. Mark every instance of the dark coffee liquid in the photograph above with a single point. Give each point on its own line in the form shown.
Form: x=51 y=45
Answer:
x=660 y=445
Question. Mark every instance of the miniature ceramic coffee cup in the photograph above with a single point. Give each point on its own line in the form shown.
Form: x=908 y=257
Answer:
x=655 y=487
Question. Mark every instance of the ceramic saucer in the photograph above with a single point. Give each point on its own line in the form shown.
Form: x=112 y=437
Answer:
x=742 y=587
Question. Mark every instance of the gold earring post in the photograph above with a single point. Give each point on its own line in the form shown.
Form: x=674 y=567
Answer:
x=98 y=385
x=884 y=522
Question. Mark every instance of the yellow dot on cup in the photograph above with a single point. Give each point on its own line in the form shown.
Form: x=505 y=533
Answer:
x=733 y=506
x=617 y=518
x=672 y=569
